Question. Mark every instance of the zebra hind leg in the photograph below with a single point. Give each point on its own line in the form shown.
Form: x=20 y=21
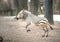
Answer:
x=44 y=33
x=47 y=32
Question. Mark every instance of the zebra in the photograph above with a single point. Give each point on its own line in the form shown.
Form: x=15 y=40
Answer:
x=38 y=21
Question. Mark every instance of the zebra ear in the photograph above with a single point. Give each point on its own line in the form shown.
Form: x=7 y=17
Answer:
x=23 y=10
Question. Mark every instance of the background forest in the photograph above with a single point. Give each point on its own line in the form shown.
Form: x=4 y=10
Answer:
x=12 y=7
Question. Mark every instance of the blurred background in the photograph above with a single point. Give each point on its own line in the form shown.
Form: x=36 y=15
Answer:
x=12 y=30
x=12 y=7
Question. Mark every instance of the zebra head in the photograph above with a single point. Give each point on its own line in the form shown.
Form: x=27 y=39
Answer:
x=22 y=14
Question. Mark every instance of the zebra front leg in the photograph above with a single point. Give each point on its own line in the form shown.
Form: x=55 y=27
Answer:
x=27 y=26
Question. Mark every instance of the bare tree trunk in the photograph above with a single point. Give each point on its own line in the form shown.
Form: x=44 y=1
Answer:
x=48 y=10
x=58 y=6
x=21 y=4
x=29 y=1
x=34 y=6
x=39 y=8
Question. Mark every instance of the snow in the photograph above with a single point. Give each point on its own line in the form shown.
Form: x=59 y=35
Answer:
x=55 y=17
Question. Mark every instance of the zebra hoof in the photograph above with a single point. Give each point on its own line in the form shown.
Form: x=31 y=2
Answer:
x=52 y=29
x=1 y=39
x=46 y=35
x=28 y=30
x=43 y=35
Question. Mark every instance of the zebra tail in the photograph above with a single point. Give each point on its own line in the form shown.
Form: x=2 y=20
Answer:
x=51 y=27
